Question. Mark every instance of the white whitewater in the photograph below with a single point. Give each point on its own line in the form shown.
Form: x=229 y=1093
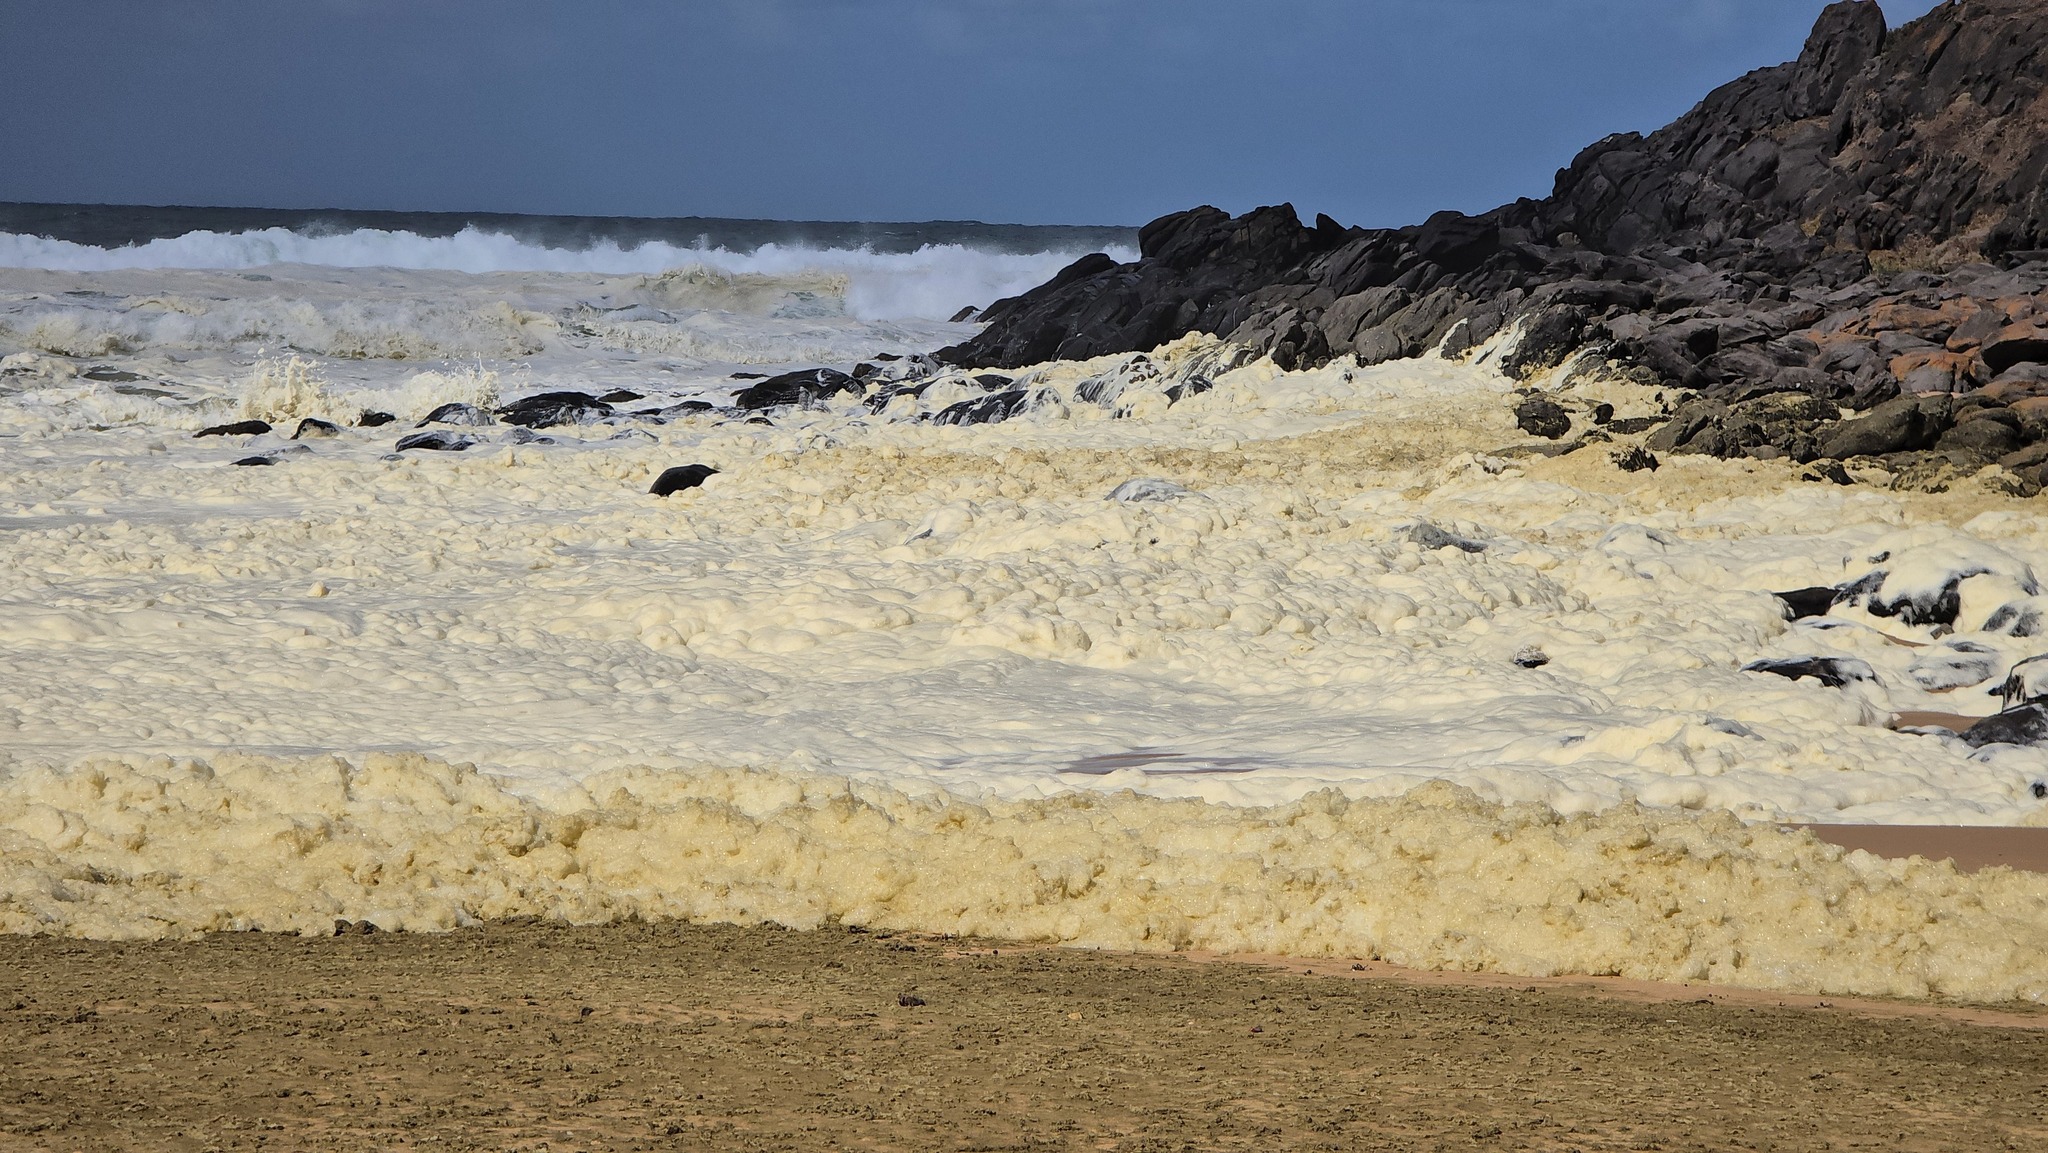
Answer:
x=927 y=676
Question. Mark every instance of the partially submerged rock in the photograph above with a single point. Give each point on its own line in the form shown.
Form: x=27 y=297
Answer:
x=459 y=414
x=237 y=428
x=438 y=440
x=682 y=476
x=808 y=386
x=1146 y=489
x=1834 y=672
x=549 y=409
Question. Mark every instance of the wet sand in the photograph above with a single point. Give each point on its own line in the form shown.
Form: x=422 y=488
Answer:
x=524 y=1036
x=1970 y=847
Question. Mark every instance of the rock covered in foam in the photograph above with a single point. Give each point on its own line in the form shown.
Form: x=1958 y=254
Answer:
x=1149 y=488
x=1834 y=672
x=1431 y=537
x=548 y=409
x=808 y=386
x=993 y=409
x=313 y=428
x=1923 y=584
x=437 y=440
x=457 y=413
x=1954 y=664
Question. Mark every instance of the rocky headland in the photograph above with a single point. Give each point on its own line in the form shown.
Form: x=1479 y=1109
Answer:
x=1843 y=258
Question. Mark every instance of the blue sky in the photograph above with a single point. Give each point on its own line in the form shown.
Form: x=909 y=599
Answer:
x=1028 y=111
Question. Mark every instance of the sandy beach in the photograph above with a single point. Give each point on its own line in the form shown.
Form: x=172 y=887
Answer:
x=529 y=1037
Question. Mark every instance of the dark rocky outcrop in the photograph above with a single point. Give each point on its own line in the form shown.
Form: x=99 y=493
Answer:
x=1862 y=226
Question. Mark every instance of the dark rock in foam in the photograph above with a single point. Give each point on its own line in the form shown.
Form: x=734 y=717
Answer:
x=549 y=409
x=238 y=428
x=457 y=413
x=792 y=388
x=2025 y=724
x=1834 y=672
x=682 y=476
x=438 y=440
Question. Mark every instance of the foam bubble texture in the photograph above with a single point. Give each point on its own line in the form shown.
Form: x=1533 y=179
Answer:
x=1435 y=879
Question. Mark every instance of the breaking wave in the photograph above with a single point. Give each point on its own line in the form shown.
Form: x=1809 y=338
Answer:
x=932 y=282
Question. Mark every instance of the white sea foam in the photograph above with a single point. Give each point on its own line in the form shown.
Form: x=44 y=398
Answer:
x=1433 y=879
x=928 y=609
x=931 y=283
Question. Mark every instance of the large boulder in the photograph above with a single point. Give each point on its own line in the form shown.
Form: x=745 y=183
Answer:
x=1903 y=425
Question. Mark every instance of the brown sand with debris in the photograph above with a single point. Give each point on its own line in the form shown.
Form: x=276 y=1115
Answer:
x=534 y=1037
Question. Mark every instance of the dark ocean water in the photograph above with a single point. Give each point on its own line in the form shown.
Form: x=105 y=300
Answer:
x=116 y=225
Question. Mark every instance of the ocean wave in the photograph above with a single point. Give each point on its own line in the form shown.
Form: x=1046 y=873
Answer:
x=933 y=282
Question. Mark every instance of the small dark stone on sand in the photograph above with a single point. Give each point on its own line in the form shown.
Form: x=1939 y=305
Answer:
x=374 y=420
x=238 y=428
x=910 y=1000
x=680 y=477
x=2040 y=790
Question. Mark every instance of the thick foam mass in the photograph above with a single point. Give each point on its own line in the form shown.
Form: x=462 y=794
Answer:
x=1229 y=589
x=1434 y=879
